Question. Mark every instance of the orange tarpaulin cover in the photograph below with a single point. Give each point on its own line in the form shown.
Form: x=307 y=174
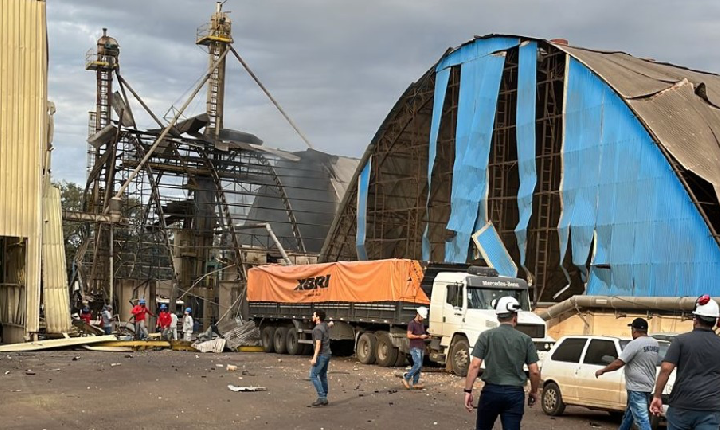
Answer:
x=343 y=281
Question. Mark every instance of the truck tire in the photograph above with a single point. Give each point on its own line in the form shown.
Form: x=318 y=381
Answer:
x=386 y=354
x=292 y=344
x=552 y=402
x=280 y=340
x=268 y=334
x=460 y=356
x=401 y=359
x=366 y=346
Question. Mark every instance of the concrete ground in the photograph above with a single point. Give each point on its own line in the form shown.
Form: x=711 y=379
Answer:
x=168 y=390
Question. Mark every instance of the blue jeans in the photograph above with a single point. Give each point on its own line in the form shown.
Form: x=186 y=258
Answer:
x=108 y=330
x=503 y=400
x=686 y=419
x=318 y=376
x=417 y=358
x=638 y=404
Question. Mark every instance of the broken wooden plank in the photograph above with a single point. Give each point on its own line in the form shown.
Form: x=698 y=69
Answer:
x=55 y=343
x=109 y=348
x=234 y=388
x=137 y=343
x=250 y=349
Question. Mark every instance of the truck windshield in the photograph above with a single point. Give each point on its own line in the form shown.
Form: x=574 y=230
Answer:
x=481 y=298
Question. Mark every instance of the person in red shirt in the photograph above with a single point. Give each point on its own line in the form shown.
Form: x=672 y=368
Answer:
x=164 y=321
x=85 y=313
x=138 y=312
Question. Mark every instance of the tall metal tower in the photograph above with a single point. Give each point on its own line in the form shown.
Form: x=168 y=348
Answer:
x=100 y=177
x=216 y=36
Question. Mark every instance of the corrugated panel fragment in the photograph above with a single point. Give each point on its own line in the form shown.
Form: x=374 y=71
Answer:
x=525 y=136
x=56 y=295
x=362 y=195
x=493 y=250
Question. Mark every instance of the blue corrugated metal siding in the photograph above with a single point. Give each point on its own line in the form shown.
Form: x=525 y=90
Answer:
x=619 y=190
x=525 y=136
x=479 y=86
x=362 y=194
x=493 y=251
x=441 y=81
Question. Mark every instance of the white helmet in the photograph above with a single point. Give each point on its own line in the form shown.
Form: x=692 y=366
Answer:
x=506 y=305
x=706 y=307
x=422 y=311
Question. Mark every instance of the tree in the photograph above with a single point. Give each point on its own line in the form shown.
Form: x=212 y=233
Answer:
x=71 y=199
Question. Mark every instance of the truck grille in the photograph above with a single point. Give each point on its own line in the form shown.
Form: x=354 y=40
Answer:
x=535 y=331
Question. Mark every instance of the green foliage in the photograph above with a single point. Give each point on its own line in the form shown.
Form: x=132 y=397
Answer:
x=71 y=199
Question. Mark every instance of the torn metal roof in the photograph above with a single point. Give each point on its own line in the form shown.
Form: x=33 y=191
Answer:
x=679 y=107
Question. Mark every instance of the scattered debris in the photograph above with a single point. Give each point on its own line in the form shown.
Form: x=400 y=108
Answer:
x=7 y=372
x=219 y=365
x=236 y=389
x=114 y=364
x=54 y=343
x=76 y=358
x=230 y=368
x=239 y=333
x=29 y=372
x=215 y=345
x=128 y=356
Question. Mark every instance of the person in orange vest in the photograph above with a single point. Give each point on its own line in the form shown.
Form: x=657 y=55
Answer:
x=138 y=312
x=164 y=320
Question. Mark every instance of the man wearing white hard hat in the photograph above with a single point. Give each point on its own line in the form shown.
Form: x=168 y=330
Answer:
x=695 y=397
x=505 y=351
x=417 y=334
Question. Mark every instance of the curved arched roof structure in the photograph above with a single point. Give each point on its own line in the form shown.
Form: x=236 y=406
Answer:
x=581 y=170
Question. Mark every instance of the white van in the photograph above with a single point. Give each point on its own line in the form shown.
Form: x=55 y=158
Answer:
x=568 y=374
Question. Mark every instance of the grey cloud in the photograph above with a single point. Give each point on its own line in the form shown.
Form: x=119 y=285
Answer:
x=336 y=66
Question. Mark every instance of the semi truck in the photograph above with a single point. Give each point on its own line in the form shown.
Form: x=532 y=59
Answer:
x=370 y=304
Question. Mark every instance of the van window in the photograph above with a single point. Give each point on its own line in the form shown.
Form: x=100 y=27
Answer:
x=599 y=348
x=569 y=351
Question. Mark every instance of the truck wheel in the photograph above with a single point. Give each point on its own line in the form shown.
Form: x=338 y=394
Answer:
x=552 y=402
x=460 y=356
x=366 y=346
x=386 y=353
x=401 y=359
x=293 y=347
x=268 y=333
x=280 y=340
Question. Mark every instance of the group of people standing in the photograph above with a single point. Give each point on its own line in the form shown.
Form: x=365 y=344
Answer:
x=693 y=404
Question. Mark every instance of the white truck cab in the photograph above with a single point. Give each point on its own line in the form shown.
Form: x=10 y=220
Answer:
x=461 y=309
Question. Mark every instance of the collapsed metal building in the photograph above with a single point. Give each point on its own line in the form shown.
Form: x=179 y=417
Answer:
x=178 y=213
x=583 y=171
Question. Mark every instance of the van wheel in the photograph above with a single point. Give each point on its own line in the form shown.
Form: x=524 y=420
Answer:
x=293 y=347
x=280 y=340
x=268 y=333
x=460 y=356
x=366 y=346
x=654 y=422
x=552 y=402
x=386 y=352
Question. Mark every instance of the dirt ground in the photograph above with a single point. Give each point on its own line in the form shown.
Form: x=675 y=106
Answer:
x=165 y=389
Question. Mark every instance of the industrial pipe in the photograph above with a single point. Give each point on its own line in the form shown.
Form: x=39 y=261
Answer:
x=269 y=229
x=575 y=303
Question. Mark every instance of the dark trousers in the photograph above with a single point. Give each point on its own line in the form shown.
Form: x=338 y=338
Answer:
x=506 y=401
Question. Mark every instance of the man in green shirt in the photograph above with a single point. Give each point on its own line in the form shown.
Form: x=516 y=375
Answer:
x=505 y=352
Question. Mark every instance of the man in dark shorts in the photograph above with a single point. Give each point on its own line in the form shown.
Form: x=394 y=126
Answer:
x=695 y=396
x=505 y=351
x=417 y=334
x=321 y=358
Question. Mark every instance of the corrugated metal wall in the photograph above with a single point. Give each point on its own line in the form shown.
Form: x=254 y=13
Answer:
x=55 y=289
x=23 y=101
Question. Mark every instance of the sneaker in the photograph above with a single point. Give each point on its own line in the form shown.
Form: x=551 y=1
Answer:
x=406 y=383
x=419 y=386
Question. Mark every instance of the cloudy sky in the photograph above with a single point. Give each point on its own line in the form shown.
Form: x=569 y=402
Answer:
x=336 y=66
